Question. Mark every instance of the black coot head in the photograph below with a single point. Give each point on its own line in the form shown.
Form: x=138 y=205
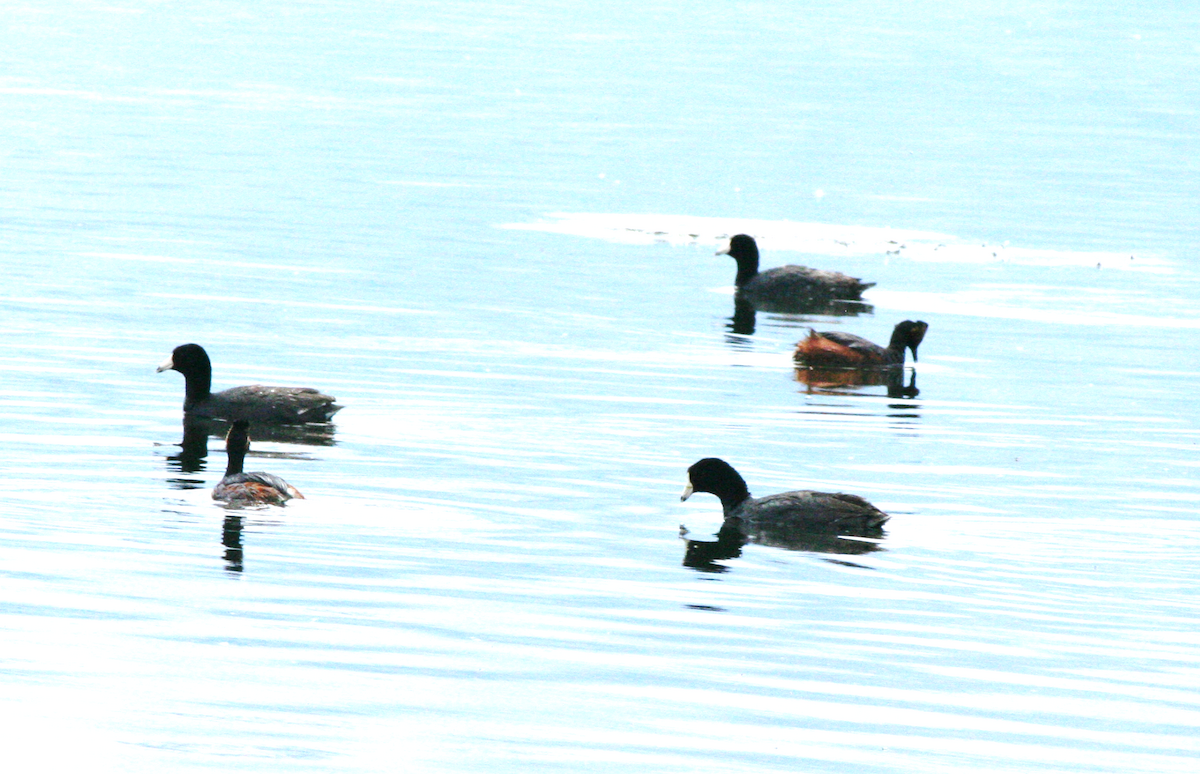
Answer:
x=187 y=358
x=742 y=246
x=715 y=476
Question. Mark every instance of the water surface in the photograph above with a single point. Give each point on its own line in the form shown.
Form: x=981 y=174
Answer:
x=490 y=231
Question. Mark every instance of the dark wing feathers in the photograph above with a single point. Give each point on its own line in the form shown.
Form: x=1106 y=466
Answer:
x=815 y=509
x=261 y=403
x=803 y=284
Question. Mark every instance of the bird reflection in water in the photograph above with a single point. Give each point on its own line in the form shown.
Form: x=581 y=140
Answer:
x=193 y=449
x=838 y=380
x=744 y=318
x=742 y=321
x=704 y=555
x=312 y=434
x=192 y=454
x=834 y=308
x=232 y=529
x=231 y=538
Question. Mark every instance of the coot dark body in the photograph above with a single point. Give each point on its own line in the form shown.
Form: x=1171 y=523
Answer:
x=787 y=512
x=787 y=288
x=256 y=403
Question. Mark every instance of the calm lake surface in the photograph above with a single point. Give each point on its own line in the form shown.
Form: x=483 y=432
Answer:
x=489 y=230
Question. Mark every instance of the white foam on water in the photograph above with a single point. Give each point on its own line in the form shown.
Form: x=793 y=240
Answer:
x=829 y=239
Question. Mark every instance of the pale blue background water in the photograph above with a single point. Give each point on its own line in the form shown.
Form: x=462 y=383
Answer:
x=487 y=572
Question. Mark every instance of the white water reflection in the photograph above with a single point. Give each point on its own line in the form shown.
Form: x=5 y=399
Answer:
x=1007 y=303
x=828 y=239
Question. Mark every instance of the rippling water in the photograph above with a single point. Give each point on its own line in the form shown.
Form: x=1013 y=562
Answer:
x=490 y=231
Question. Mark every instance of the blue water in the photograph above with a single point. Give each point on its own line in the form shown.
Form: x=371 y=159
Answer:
x=490 y=231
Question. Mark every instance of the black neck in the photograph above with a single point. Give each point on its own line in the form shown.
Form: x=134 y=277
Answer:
x=734 y=496
x=236 y=447
x=197 y=384
x=236 y=461
x=747 y=269
x=899 y=342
